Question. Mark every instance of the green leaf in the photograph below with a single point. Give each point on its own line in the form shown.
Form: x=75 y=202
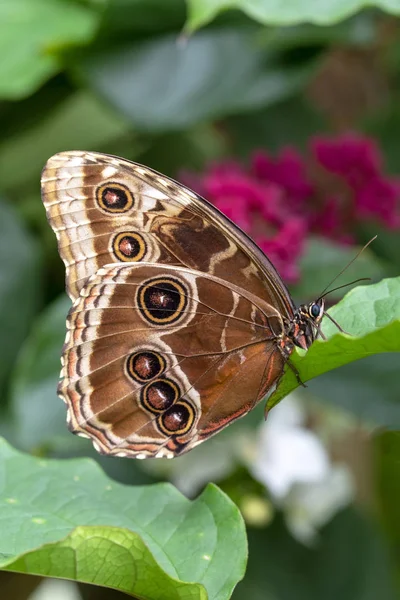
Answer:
x=115 y=558
x=20 y=286
x=166 y=83
x=31 y=34
x=271 y=12
x=371 y=315
x=67 y=519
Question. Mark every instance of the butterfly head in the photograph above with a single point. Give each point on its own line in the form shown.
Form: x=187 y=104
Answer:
x=305 y=326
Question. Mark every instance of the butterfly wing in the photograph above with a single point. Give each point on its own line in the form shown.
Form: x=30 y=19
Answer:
x=173 y=331
x=158 y=358
x=104 y=209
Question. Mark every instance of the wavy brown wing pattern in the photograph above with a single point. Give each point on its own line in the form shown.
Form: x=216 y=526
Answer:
x=106 y=209
x=159 y=358
x=177 y=315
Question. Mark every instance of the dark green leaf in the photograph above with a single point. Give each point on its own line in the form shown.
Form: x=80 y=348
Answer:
x=349 y=561
x=142 y=17
x=387 y=447
x=67 y=519
x=167 y=83
x=20 y=286
x=39 y=416
x=387 y=472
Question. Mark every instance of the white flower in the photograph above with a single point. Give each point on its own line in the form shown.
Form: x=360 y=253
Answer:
x=308 y=507
x=49 y=589
x=294 y=465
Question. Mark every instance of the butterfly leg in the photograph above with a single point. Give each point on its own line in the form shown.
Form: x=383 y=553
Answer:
x=296 y=372
x=286 y=349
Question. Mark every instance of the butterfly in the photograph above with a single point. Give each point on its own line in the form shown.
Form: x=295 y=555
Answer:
x=179 y=323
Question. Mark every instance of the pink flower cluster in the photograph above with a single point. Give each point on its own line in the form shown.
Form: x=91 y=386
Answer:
x=280 y=201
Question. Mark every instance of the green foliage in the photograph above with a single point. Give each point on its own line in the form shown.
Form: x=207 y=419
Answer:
x=269 y=12
x=349 y=561
x=20 y=277
x=37 y=417
x=387 y=473
x=39 y=30
x=136 y=75
x=137 y=79
x=66 y=519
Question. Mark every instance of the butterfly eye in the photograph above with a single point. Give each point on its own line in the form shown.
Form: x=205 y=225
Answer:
x=315 y=310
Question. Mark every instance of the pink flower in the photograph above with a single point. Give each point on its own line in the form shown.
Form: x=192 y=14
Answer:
x=330 y=222
x=352 y=156
x=288 y=171
x=380 y=197
x=358 y=162
x=280 y=200
x=285 y=247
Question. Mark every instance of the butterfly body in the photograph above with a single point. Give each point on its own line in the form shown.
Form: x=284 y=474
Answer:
x=179 y=323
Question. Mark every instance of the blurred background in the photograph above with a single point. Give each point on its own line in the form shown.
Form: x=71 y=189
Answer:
x=293 y=131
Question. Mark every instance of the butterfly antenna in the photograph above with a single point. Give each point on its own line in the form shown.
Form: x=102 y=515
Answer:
x=339 y=287
x=325 y=292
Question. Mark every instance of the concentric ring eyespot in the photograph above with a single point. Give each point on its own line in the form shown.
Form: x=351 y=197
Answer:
x=177 y=420
x=162 y=300
x=114 y=197
x=159 y=395
x=144 y=366
x=129 y=246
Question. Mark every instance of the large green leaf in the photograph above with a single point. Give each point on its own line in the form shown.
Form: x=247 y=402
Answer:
x=31 y=33
x=274 y=12
x=166 y=83
x=20 y=286
x=67 y=519
x=371 y=315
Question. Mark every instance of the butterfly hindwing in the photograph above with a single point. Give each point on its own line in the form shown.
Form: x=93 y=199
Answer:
x=158 y=358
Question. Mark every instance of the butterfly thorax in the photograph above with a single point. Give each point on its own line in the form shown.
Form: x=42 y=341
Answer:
x=303 y=328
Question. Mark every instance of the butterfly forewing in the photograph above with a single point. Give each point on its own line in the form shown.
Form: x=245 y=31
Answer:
x=105 y=209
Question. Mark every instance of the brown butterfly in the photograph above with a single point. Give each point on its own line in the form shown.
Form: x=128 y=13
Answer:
x=179 y=324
